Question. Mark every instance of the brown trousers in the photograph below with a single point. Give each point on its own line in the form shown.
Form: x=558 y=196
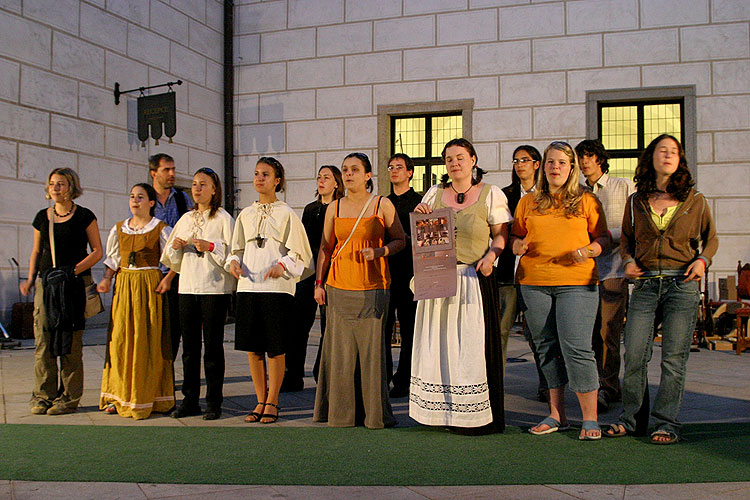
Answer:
x=67 y=389
x=613 y=299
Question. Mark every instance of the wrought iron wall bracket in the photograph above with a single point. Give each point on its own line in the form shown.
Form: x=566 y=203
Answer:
x=119 y=92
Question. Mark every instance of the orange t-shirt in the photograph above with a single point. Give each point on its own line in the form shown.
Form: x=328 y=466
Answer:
x=551 y=237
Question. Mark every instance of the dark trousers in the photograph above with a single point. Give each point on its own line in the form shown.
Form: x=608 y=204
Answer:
x=203 y=319
x=404 y=307
x=305 y=308
x=173 y=305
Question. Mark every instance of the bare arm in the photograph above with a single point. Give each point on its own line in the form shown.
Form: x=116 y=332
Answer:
x=25 y=286
x=499 y=234
x=95 y=242
x=327 y=242
x=395 y=232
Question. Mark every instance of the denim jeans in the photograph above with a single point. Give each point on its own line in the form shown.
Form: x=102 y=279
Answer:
x=561 y=319
x=679 y=302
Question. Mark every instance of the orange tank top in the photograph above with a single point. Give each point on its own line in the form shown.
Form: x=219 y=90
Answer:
x=350 y=271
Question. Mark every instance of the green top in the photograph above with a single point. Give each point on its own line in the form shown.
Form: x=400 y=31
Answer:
x=472 y=228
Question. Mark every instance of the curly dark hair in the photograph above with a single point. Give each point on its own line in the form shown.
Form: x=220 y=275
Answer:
x=468 y=146
x=680 y=182
x=594 y=147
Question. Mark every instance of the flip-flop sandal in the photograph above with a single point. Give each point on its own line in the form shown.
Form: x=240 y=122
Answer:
x=613 y=431
x=552 y=424
x=111 y=409
x=672 y=438
x=590 y=425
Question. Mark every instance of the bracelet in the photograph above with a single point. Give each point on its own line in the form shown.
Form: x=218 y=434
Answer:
x=579 y=252
x=211 y=248
x=318 y=282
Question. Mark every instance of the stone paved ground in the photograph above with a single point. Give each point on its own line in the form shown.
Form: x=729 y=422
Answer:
x=717 y=391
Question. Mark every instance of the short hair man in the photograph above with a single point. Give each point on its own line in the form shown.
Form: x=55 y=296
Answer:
x=171 y=204
x=613 y=192
x=405 y=199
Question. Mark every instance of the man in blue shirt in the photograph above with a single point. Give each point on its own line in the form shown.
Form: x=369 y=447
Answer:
x=171 y=203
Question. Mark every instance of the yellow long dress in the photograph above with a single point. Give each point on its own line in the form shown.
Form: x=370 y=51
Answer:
x=138 y=373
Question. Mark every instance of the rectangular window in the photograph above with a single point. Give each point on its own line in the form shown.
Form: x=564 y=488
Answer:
x=626 y=128
x=422 y=137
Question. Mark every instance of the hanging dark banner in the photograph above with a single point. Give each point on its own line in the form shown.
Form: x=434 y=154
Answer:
x=153 y=111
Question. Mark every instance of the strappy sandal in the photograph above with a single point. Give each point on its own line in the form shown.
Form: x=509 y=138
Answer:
x=254 y=416
x=111 y=409
x=273 y=418
x=614 y=431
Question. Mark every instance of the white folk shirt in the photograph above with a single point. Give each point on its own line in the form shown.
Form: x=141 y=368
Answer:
x=613 y=192
x=202 y=273
x=282 y=239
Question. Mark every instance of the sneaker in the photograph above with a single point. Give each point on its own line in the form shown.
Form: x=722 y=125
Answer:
x=60 y=410
x=39 y=408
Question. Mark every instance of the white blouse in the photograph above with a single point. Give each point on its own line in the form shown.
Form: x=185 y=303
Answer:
x=112 y=259
x=496 y=202
x=201 y=272
x=264 y=235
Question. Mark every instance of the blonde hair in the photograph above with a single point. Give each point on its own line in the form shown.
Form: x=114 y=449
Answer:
x=73 y=181
x=570 y=194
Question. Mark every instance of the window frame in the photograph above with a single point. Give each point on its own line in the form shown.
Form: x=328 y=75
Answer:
x=646 y=96
x=387 y=113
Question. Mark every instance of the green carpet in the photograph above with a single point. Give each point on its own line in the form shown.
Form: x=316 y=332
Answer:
x=323 y=456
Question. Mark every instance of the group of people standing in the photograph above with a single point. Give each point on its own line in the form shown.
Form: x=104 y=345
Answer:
x=558 y=243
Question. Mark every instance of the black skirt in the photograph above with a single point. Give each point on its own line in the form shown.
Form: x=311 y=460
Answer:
x=263 y=322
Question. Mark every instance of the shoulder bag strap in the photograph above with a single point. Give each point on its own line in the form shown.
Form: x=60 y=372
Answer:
x=356 y=223
x=51 y=218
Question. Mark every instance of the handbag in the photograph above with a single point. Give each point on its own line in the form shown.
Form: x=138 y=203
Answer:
x=94 y=303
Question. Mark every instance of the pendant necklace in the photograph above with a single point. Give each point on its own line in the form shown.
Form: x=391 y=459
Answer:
x=264 y=209
x=461 y=197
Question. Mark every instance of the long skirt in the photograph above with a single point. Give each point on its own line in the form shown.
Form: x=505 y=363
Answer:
x=457 y=377
x=354 y=337
x=138 y=373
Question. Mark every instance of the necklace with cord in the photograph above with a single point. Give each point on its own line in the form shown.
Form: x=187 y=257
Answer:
x=461 y=197
x=54 y=211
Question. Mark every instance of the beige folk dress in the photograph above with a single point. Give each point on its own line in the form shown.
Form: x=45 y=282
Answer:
x=138 y=373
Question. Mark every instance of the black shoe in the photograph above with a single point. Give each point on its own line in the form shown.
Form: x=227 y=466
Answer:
x=399 y=392
x=292 y=385
x=186 y=411
x=542 y=395
x=212 y=414
x=602 y=404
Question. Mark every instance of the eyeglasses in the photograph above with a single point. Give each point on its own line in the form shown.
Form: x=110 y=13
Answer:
x=521 y=160
x=397 y=168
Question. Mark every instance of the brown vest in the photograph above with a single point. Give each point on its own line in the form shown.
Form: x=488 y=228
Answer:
x=145 y=247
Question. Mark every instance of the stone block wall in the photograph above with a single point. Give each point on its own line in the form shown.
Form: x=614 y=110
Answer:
x=312 y=73
x=59 y=60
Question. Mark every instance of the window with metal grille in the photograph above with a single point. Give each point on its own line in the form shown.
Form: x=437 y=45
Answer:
x=422 y=137
x=626 y=129
x=627 y=120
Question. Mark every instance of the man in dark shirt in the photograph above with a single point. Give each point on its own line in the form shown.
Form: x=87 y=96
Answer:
x=171 y=203
x=405 y=199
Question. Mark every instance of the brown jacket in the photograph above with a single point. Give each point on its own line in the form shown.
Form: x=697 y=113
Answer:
x=691 y=234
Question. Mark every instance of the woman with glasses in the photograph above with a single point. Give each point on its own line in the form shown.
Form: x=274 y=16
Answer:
x=270 y=254
x=353 y=266
x=668 y=241
x=138 y=375
x=557 y=231
x=457 y=367
x=197 y=250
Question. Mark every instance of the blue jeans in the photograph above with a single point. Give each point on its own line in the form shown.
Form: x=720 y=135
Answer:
x=679 y=303
x=561 y=319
